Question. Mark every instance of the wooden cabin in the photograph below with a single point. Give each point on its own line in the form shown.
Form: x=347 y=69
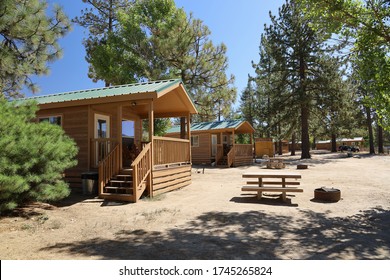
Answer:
x=95 y=119
x=327 y=144
x=216 y=142
x=264 y=147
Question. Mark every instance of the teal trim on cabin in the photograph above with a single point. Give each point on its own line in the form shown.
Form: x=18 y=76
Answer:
x=202 y=126
x=147 y=87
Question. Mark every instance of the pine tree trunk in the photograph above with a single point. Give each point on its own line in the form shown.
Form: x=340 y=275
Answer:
x=381 y=149
x=305 y=112
x=305 y=132
x=370 y=131
x=280 y=148
x=293 y=144
x=334 y=143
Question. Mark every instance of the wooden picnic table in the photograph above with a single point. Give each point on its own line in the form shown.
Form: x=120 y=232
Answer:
x=279 y=183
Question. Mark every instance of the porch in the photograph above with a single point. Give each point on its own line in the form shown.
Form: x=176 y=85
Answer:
x=234 y=155
x=163 y=165
x=223 y=143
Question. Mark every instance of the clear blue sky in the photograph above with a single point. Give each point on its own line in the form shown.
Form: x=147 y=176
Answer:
x=238 y=24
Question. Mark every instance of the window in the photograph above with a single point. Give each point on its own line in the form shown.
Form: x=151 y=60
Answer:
x=52 y=120
x=195 y=141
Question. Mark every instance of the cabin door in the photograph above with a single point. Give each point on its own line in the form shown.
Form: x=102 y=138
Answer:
x=214 y=143
x=102 y=135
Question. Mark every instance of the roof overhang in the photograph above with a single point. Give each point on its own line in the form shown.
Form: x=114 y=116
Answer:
x=169 y=100
x=245 y=127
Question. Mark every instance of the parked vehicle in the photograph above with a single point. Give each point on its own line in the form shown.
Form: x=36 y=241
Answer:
x=353 y=149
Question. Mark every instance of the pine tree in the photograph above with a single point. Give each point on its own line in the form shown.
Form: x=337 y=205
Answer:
x=101 y=20
x=335 y=106
x=367 y=24
x=33 y=157
x=28 y=41
x=248 y=103
x=155 y=40
x=295 y=48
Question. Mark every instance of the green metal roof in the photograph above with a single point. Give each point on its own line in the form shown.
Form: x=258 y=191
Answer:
x=148 y=87
x=202 y=126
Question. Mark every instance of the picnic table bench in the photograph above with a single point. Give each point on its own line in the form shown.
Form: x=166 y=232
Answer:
x=279 y=183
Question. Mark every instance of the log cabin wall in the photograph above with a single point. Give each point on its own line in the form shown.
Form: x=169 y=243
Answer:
x=75 y=124
x=202 y=154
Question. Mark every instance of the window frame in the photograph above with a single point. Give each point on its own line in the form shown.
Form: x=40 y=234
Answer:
x=193 y=142
x=47 y=117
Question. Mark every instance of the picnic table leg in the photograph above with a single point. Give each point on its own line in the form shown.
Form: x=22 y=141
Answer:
x=284 y=197
x=260 y=193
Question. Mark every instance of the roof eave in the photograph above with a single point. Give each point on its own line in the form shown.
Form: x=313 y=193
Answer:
x=99 y=100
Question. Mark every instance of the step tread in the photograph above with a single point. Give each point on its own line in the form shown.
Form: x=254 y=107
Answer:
x=120 y=181
x=126 y=171
x=117 y=194
x=118 y=188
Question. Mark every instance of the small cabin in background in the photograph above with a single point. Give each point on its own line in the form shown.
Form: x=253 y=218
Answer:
x=264 y=147
x=327 y=144
x=217 y=142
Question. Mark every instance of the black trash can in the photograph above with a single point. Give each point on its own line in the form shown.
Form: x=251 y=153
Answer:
x=90 y=182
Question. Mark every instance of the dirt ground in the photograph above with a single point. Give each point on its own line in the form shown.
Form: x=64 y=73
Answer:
x=213 y=219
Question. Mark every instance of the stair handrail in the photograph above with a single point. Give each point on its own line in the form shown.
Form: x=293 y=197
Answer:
x=108 y=167
x=230 y=156
x=142 y=168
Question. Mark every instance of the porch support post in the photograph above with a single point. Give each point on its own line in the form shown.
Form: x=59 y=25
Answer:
x=140 y=127
x=151 y=134
x=151 y=123
x=119 y=135
x=182 y=127
x=189 y=136
x=90 y=136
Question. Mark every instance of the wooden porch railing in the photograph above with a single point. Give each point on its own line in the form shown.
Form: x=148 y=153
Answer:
x=170 y=150
x=242 y=150
x=108 y=167
x=100 y=148
x=142 y=169
x=231 y=156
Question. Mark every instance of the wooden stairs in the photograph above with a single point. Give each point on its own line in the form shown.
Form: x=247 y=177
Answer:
x=121 y=183
x=223 y=162
x=120 y=187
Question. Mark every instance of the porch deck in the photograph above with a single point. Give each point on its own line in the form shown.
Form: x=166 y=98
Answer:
x=162 y=166
x=238 y=155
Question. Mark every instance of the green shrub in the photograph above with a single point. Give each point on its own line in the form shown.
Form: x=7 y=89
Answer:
x=33 y=157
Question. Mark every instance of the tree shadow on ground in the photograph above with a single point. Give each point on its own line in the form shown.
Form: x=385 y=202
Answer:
x=266 y=199
x=249 y=235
